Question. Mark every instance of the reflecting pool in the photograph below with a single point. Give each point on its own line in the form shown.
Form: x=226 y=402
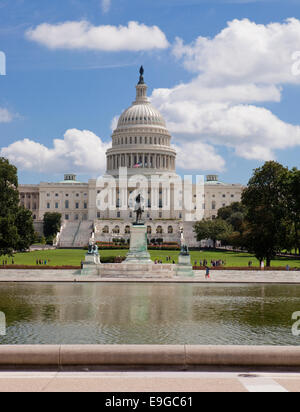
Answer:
x=137 y=313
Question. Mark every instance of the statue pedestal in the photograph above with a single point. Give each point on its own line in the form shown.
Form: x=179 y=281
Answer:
x=138 y=252
x=90 y=265
x=184 y=267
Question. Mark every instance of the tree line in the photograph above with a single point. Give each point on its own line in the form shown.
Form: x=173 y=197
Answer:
x=266 y=221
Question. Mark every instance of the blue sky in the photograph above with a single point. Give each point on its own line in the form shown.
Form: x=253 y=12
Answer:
x=237 y=104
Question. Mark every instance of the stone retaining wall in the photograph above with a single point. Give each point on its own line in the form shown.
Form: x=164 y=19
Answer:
x=134 y=270
x=182 y=356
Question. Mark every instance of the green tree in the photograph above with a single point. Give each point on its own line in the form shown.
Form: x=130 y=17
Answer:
x=16 y=225
x=24 y=224
x=8 y=235
x=9 y=196
x=233 y=214
x=52 y=224
x=216 y=229
x=293 y=206
x=266 y=201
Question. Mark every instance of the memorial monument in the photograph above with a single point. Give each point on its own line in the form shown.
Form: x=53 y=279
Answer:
x=185 y=268
x=92 y=260
x=138 y=252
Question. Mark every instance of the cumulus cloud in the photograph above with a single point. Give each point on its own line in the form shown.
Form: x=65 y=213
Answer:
x=244 y=52
x=198 y=156
x=83 y=35
x=244 y=64
x=79 y=150
x=5 y=116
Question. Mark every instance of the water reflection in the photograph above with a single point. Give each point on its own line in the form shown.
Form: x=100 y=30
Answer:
x=126 y=313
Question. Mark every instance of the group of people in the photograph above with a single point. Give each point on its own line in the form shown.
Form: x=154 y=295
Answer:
x=214 y=263
x=40 y=262
x=5 y=262
x=160 y=262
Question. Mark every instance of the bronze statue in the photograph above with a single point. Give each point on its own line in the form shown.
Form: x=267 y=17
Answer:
x=142 y=71
x=139 y=210
x=184 y=248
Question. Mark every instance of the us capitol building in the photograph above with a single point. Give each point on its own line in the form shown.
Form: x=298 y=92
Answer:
x=142 y=144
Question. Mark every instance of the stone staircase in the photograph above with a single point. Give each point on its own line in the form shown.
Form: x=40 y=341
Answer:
x=67 y=234
x=75 y=234
x=83 y=234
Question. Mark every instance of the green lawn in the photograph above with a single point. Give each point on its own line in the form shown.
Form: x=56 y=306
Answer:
x=72 y=257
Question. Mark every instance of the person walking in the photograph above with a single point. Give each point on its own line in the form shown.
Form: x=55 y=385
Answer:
x=207 y=273
x=262 y=265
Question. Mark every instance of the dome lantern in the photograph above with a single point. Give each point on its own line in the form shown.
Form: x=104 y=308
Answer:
x=141 y=89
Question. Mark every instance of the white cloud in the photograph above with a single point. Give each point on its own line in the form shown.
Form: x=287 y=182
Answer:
x=84 y=36
x=198 y=156
x=114 y=123
x=79 y=150
x=5 y=116
x=105 y=4
x=244 y=64
x=244 y=52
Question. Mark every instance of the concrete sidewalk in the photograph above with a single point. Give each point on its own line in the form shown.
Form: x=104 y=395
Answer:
x=228 y=276
x=135 y=382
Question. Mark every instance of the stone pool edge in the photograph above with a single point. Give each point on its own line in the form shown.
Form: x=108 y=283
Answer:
x=245 y=277
x=179 y=356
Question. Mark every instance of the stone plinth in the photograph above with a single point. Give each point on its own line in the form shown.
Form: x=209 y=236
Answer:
x=91 y=264
x=138 y=252
x=184 y=267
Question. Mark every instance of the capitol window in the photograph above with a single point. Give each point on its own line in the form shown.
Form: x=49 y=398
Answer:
x=116 y=230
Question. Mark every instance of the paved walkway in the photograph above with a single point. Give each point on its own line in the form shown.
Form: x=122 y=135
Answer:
x=216 y=277
x=148 y=382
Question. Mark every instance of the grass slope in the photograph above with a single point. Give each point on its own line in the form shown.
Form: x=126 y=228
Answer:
x=73 y=257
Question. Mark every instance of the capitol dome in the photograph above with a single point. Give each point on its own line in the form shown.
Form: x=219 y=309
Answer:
x=141 y=139
x=141 y=113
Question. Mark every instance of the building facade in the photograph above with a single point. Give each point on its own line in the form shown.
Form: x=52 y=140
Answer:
x=141 y=143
